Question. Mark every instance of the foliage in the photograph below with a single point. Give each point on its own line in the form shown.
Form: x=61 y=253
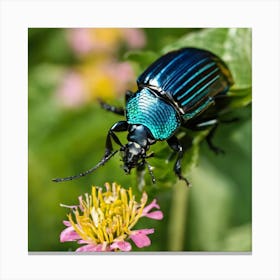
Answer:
x=213 y=215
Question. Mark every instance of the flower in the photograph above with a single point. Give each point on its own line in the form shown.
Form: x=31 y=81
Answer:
x=71 y=90
x=135 y=37
x=98 y=73
x=104 y=220
x=107 y=79
x=85 y=41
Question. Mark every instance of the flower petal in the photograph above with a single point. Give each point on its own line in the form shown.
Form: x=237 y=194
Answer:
x=69 y=234
x=135 y=38
x=156 y=215
x=122 y=245
x=81 y=241
x=67 y=223
x=90 y=248
x=152 y=205
x=80 y=40
x=140 y=237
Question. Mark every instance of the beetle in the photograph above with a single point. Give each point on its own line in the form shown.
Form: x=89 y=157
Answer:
x=185 y=88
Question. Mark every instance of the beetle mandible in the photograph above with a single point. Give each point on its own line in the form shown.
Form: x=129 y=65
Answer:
x=183 y=88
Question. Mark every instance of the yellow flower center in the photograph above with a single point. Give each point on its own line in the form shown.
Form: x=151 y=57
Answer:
x=106 y=217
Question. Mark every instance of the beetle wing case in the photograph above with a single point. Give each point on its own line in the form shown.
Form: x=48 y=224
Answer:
x=189 y=77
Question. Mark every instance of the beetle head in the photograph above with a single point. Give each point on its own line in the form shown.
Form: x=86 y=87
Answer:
x=133 y=155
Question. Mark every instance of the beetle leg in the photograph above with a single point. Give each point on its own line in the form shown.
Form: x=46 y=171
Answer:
x=175 y=145
x=232 y=120
x=113 y=109
x=150 y=168
x=117 y=127
x=206 y=124
x=209 y=138
x=210 y=135
x=212 y=124
x=128 y=94
x=141 y=172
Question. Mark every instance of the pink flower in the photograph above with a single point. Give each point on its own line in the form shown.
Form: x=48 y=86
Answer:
x=80 y=40
x=135 y=37
x=156 y=215
x=121 y=74
x=68 y=234
x=121 y=245
x=104 y=221
x=71 y=92
x=90 y=248
x=140 y=237
x=84 y=41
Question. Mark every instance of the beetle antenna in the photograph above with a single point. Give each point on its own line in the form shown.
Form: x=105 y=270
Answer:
x=102 y=162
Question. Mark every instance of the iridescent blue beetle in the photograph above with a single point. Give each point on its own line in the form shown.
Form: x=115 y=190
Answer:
x=184 y=88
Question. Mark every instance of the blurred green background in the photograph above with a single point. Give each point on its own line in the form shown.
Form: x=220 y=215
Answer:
x=68 y=70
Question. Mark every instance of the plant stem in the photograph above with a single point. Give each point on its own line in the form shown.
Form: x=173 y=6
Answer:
x=178 y=217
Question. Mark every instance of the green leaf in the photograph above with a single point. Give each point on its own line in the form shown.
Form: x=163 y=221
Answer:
x=239 y=239
x=240 y=97
x=141 y=59
x=234 y=45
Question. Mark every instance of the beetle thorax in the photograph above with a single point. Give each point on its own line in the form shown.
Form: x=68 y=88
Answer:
x=157 y=115
x=140 y=134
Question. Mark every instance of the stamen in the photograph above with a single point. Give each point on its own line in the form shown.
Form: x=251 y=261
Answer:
x=105 y=216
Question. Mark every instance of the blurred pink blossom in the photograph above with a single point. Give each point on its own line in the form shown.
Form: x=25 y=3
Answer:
x=99 y=74
x=80 y=40
x=122 y=74
x=71 y=92
x=86 y=40
x=135 y=37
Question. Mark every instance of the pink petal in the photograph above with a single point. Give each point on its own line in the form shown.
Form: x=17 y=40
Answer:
x=152 y=205
x=157 y=215
x=80 y=40
x=123 y=72
x=140 y=238
x=71 y=90
x=81 y=241
x=67 y=223
x=135 y=37
x=69 y=234
x=90 y=248
x=143 y=231
x=122 y=245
